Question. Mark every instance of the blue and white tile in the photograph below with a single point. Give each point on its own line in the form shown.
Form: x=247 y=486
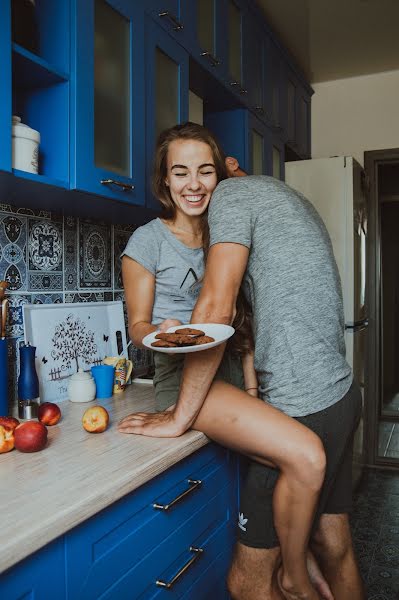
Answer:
x=70 y=253
x=45 y=251
x=120 y=240
x=13 y=267
x=94 y=255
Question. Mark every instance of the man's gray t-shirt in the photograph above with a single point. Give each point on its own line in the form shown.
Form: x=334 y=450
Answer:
x=178 y=270
x=293 y=286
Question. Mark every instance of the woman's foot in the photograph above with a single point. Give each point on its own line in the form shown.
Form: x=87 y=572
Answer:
x=317 y=578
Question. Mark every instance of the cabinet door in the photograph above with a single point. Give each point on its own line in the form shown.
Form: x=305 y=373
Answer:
x=40 y=576
x=303 y=123
x=173 y=16
x=107 y=108
x=254 y=72
x=5 y=89
x=260 y=147
x=166 y=90
x=278 y=158
x=291 y=107
x=273 y=65
x=207 y=35
x=235 y=12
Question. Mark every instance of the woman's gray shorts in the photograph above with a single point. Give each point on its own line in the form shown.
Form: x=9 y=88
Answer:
x=335 y=426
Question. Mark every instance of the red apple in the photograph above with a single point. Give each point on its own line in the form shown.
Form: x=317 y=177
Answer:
x=95 y=419
x=30 y=436
x=49 y=413
x=9 y=422
x=6 y=438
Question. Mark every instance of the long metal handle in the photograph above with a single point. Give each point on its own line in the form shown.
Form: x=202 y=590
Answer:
x=193 y=483
x=237 y=85
x=127 y=187
x=212 y=59
x=169 y=584
x=177 y=25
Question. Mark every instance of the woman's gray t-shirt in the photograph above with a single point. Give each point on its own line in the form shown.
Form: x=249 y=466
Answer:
x=293 y=285
x=178 y=270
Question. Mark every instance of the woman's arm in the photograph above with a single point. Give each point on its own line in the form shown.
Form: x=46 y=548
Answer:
x=139 y=285
x=250 y=378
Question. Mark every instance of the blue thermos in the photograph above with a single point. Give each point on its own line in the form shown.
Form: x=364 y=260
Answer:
x=3 y=377
x=28 y=383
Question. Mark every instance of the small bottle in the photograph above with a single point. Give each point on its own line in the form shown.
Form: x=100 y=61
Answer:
x=28 y=383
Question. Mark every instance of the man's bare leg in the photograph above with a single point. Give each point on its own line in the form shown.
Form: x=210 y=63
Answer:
x=332 y=545
x=252 y=574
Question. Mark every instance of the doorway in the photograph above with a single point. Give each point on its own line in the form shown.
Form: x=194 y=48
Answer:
x=382 y=412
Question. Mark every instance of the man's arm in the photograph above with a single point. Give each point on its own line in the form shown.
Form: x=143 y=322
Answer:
x=217 y=304
x=225 y=269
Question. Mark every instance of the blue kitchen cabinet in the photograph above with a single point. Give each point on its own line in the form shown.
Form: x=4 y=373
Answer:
x=36 y=84
x=296 y=105
x=174 y=16
x=173 y=537
x=166 y=90
x=207 y=38
x=40 y=576
x=278 y=158
x=245 y=137
x=107 y=111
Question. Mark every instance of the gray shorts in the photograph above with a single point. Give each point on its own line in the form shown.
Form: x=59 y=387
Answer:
x=335 y=426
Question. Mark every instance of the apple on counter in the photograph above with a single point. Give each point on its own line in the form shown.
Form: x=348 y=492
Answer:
x=48 y=413
x=11 y=422
x=95 y=419
x=30 y=436
x=7 y=439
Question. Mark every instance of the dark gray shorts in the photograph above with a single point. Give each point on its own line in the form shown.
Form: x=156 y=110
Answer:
x=335 y=426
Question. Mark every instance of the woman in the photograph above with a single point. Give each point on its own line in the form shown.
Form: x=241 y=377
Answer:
x=162 y=269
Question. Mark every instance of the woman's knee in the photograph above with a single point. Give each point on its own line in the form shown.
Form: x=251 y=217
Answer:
x=310 y=463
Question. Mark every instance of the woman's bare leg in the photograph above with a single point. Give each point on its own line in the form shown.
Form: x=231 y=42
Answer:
x=241 y=422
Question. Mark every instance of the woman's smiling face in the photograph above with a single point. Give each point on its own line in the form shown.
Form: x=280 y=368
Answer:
x=191 y=175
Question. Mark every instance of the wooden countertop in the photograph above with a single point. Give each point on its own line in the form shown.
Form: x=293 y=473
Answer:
x=44 y=494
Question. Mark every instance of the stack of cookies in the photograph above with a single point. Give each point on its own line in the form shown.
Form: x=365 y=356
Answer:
x=187 y=336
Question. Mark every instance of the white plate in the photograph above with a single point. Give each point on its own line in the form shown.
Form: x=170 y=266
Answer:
x=219 y=332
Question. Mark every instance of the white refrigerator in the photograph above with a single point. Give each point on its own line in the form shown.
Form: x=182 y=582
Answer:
x=335 y=186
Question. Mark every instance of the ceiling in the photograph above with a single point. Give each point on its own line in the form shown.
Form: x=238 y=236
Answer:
x=335 y=39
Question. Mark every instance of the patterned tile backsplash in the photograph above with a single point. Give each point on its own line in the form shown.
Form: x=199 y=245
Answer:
x=47 y=258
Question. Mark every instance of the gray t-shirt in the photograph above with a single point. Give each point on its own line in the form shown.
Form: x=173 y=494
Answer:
x=178 y=270
x=293 y=286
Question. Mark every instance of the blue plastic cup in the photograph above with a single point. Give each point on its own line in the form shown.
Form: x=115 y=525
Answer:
x=104 y=377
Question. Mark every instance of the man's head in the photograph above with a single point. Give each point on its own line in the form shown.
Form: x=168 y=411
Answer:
x=233 y=168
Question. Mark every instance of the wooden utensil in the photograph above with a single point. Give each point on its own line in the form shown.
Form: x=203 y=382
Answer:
x=4 y=315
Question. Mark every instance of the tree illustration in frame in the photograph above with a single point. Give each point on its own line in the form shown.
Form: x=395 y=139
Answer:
x=71 y=341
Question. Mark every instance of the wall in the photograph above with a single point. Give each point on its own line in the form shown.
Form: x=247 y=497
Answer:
x=350 y=116
x=47 y=258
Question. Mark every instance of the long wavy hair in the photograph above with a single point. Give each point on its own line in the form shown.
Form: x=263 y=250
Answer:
x=242 y=341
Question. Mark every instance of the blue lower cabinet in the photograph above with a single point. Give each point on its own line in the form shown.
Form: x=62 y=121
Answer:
x=39 y=577
x=171 y=535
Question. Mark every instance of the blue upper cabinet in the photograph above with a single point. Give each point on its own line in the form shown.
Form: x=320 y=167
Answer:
x=34 y=62
x=167 y=82
x=174 y=16
x=256 y=75
x=235 y=13
x=107 y=113
x=296 y=105
x=206 y=35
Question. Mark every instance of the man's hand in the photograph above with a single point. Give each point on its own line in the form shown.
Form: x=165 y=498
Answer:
x=161 y=424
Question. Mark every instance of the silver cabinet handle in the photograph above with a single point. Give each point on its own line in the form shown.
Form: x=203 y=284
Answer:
x=193 y=483
x=177 y=25
x=127 y=187
x=212 y=59
x=260 y=110
x=238 y=86
x=169 y=584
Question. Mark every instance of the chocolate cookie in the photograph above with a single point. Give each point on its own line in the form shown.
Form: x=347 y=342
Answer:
x=189 y=331
x=163 y=344
x=176 y=338
x=204 y=339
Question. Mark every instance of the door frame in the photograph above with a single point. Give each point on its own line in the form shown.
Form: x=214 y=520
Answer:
x=372 y=160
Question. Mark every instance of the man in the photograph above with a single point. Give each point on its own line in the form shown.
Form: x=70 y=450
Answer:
x=268 y=237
